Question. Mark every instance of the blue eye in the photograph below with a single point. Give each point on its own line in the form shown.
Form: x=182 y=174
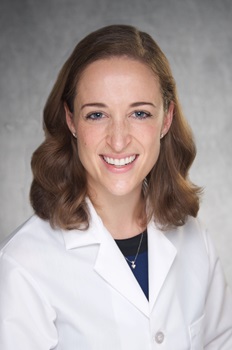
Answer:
x=94 y=116
x=141 y=114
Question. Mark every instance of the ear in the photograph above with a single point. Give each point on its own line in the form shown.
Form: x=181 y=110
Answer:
x=69 y=119
x=168 y=118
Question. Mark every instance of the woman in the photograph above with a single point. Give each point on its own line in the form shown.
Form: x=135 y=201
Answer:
x=114 y=257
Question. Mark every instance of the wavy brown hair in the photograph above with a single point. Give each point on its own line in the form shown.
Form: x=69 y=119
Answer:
x=59 y=186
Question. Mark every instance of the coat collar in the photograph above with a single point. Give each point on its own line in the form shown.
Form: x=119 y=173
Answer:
x=112 y=266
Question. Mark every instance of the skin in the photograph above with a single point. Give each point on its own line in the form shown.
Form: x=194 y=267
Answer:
x=118 y=119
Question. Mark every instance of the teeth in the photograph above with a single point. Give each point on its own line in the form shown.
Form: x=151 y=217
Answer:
x=119 y=162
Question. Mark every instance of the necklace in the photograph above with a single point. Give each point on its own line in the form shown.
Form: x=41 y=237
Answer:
x=133 y=262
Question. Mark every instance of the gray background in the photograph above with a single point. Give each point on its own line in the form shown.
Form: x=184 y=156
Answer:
x=36 y=38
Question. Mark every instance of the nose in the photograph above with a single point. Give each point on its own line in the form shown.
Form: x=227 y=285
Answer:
x=118 y=135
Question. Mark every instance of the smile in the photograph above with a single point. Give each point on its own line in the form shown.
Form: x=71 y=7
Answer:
x=119 y=162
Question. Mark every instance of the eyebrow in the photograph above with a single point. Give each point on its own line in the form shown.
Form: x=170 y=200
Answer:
x=142 y=103
x=94 y=104
x=102 y=105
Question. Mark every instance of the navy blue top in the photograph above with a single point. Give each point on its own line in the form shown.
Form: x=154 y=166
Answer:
x=129 y=248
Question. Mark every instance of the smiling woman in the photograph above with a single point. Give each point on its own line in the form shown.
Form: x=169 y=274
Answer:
x=110 y=73
x=114 y=257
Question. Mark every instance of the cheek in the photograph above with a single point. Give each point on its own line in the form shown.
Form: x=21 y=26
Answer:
x=151 y=143
x=85 y=137
x=88 y=144
x=150 y=135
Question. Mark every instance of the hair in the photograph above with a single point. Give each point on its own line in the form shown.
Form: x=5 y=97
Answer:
x=59 y=185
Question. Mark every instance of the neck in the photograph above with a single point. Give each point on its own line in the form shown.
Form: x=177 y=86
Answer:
x=121 y=215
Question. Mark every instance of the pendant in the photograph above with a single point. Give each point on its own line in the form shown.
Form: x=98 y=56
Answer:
x=133 y=265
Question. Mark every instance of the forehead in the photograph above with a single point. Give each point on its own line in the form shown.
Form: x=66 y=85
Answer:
x=118 y=76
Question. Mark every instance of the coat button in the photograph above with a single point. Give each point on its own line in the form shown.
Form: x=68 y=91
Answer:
x=159 y=337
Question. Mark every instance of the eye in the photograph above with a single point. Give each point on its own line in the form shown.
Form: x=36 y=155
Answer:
x=141 y=115
x=95 y=116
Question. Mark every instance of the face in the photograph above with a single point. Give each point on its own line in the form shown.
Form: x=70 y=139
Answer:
x=118 y=119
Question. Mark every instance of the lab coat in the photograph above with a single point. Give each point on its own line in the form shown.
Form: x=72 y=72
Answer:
x=73 y=290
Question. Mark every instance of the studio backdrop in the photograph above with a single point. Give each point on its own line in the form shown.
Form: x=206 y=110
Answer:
x=196 y=36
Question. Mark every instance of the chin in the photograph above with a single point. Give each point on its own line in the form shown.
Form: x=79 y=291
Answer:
x=123 y=190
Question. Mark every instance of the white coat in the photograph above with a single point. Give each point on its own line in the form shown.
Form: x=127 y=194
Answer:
x=73 y=290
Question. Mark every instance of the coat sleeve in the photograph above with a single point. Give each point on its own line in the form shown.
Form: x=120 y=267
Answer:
x=218 y=310
x=26 y=318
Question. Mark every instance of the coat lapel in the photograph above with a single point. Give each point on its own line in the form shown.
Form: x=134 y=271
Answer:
x=161 y=255
x=113 y=268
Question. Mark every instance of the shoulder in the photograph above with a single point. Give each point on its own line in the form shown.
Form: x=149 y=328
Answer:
x=33 y=237
x=194 y=244
x=192 y=233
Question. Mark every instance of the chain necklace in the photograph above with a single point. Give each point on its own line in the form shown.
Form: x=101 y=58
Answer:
x=133 y=262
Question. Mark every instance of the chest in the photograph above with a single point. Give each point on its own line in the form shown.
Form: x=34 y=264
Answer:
x=94 y=314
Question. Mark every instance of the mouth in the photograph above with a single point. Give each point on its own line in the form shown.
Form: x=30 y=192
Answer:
x=120 y=162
